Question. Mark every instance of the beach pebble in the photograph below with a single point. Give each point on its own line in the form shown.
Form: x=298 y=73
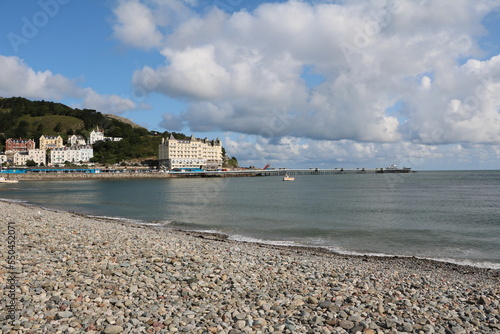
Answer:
x=62 y=315
x=113 y=330
x=79 y=274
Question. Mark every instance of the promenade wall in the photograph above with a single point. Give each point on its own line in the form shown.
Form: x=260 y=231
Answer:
x=116 y=176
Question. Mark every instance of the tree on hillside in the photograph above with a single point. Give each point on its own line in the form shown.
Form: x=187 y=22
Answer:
x=58 y=128
x=22 y=129
x=115 y=132
x=38 y=133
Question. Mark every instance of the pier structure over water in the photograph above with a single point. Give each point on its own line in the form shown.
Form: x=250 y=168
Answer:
x=96 y=173
x=318 y=171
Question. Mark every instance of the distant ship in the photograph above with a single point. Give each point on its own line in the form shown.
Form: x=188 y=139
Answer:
x=288 y=178
x=395 y=169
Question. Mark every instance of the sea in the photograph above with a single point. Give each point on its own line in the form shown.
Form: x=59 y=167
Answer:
x=450 y=216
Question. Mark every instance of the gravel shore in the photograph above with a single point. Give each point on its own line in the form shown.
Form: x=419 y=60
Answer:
x=74 y=274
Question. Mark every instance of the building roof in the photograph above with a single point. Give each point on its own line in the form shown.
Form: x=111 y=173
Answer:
x=50 y=137
x=20 y=140
x=21 y=153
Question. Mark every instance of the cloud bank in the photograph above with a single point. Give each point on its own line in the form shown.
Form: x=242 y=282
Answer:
x=357 y=81
x=391 y=71
x=18 y=79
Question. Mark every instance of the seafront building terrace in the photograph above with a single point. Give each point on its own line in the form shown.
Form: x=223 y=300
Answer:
x=190 y=153
x=19 y=144
x=52 y=150
x=51 y=142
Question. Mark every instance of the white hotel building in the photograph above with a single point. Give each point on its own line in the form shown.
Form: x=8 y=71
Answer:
x=71 y=154
x=190 y=153
x=37 y=155
x=98 y=135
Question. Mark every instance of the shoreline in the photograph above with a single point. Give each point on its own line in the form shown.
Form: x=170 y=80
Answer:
x=76 y=273
x=215 y=235
x=300 y=249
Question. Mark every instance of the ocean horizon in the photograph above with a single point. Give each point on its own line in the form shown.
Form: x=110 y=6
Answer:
x=449 y=216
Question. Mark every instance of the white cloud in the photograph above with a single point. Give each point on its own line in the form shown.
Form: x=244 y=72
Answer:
x=243 y=72
x=18 y=79
x=141 y=24
x=108 y=104
x=193 y=72
x=306 y=153
x=462 y=106
x=136 y=25
x=235 y=69
x=171 y=122
x=426 y=82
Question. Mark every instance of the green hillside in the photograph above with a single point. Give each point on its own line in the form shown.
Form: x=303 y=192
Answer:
x=22 y=118
x=52 y=125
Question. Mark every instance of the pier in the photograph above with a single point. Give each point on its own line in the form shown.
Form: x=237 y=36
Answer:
x=318 y=171
x=95 y=173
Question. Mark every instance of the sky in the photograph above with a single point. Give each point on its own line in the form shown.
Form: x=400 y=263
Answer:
x=297 y=84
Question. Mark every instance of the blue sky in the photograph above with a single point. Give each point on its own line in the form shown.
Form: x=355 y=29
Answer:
x=292 y=83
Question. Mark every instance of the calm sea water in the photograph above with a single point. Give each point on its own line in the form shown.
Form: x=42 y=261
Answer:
x=450 y=216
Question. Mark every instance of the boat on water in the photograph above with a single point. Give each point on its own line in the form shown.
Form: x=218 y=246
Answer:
x=4 y=180
x=288 y=178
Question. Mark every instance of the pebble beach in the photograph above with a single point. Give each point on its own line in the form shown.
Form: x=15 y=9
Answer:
x=63 y=272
